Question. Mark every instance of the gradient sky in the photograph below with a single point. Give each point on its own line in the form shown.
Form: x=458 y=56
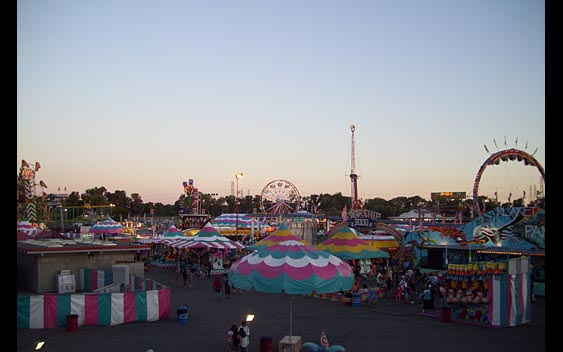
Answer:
x=141 y=95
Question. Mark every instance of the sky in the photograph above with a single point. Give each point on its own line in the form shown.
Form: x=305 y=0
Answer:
x=141 y=95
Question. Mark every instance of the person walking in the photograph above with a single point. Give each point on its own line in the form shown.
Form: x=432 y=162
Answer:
x=426 y=298
x=185 y=276
x=227 y=288
x=217 y=287
x=244 y=332
x=233 y=339
x=193 y=272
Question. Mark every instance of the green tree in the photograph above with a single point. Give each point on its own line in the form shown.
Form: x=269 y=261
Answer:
x=95 y=196
x=379 y=205
x=121 y=202
x=333 y=204
x=136 y=204
x=73 y=200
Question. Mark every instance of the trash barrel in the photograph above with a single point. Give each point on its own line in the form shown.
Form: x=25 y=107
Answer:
x=348 y=299
x=72 y=322
x=356 y=300
x=182 y=314
x=446 y=314
x=266 y=344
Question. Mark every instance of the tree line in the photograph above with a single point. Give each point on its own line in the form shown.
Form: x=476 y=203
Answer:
x=125 y=207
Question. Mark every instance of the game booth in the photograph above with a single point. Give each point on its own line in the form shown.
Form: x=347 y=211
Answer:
x=105 y=298
x=488 y=293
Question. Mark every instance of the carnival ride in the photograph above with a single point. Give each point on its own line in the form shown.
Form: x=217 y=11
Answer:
x=280 y=197
x=495 y=159
x=356 y=202
x=27 y=204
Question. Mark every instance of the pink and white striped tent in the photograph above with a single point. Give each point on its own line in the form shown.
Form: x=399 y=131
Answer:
x=170 y=236
x=26 y=230
x=208 y=237
x=108 y=226
x=173 y=233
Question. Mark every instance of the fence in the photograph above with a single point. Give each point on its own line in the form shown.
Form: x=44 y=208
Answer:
x=145 y=300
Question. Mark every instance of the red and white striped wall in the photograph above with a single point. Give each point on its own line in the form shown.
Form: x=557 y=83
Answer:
x=51 y=310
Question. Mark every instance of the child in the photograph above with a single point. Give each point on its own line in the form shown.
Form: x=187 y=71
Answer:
x=400 y=293
x=217 y=287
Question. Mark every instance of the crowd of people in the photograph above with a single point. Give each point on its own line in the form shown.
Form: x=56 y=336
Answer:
x=408 y=286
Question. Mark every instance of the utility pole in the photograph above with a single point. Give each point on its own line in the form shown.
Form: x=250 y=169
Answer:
x=237 y=176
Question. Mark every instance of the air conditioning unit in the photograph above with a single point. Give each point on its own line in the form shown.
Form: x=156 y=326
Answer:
x=120 y=274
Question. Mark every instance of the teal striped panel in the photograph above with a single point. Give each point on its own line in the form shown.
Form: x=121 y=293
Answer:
x=141 y=306
x=23 y=312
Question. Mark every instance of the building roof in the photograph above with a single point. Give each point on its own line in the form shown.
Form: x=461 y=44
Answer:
x=54 y=246
x=492 y=250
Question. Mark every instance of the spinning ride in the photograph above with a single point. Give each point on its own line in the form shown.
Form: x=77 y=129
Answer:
x=280 y=197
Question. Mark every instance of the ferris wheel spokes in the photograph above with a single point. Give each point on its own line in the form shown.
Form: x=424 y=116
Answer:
x=279 y=197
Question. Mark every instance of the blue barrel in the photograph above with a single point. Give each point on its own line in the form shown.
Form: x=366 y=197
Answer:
x=356 y=300
x=182 y=314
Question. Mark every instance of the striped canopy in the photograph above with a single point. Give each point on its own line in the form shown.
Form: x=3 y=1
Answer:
x=169 y=237
x=347 y=244
x=227 y=224
x=291 y=267
x=380 y=241
x=173 y=232
x=143 y=232
x=208 y=237
x=26 y=230
x=230 y=220
x=107 y=226
x=149 y=240
x=281 y=234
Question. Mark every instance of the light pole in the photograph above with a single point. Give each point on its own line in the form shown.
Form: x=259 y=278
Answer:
x=62 y=220
x=237 y=176
x=63 y=215
x=152 y=222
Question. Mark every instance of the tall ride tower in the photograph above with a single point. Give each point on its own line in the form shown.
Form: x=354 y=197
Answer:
x=356 y=203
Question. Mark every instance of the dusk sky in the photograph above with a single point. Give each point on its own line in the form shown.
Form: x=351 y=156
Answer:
x=141 y=95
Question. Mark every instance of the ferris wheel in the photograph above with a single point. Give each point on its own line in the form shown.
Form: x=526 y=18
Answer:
x=279 y=197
